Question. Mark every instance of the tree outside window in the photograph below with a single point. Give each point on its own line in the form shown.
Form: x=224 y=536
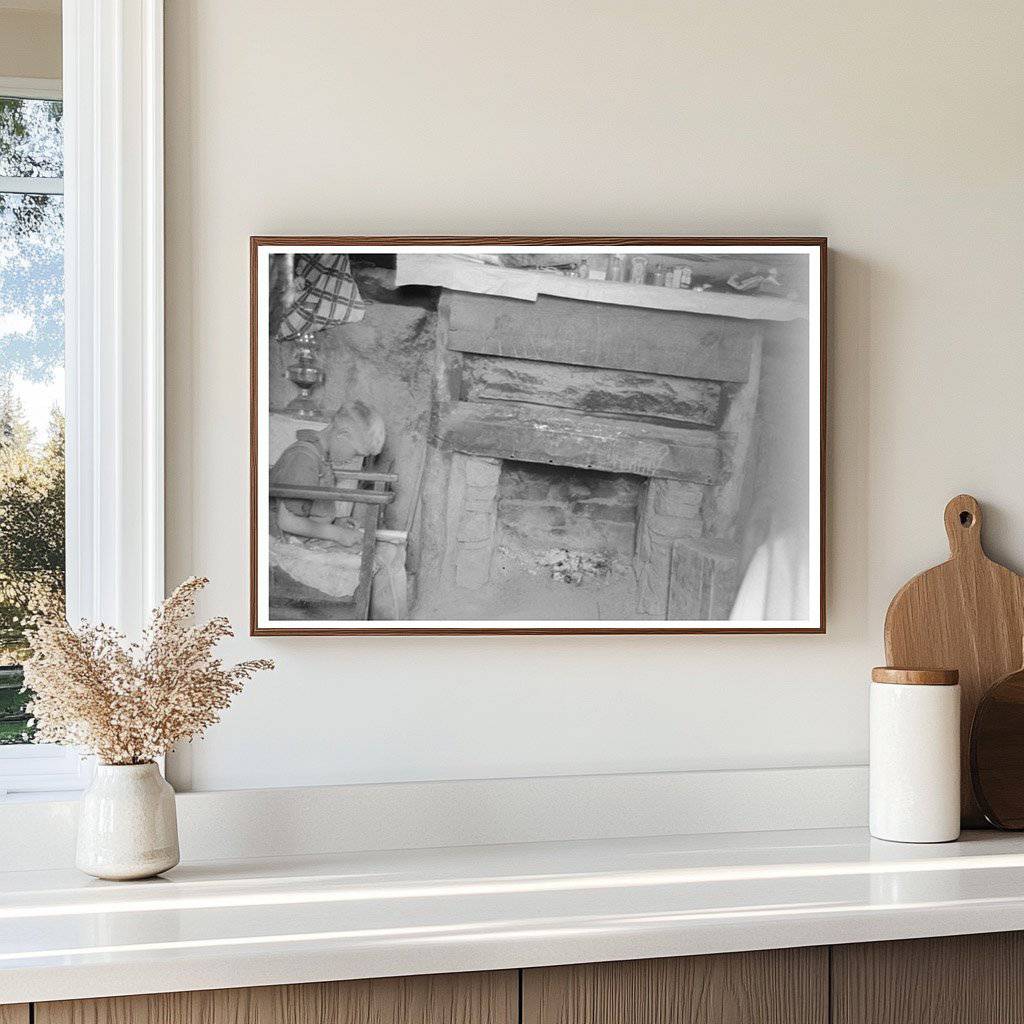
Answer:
x=31 y=384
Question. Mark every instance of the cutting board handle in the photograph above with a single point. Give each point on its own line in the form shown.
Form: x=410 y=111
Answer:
x=963 y=526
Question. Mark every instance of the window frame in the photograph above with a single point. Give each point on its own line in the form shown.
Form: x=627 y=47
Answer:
x=112 y=90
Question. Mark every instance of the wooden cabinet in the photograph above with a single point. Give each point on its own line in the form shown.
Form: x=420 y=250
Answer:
x=491 y=998
x=779 y=986
x=963 y=979
x=966 y=979
x=971 y=979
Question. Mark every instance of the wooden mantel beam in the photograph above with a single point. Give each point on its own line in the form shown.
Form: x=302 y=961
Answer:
x=532 y=433
x=557 y=330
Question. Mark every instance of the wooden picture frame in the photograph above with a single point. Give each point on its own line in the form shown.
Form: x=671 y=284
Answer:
x=485 y=410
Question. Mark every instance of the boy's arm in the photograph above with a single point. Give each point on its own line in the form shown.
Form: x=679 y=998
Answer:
x=320 y=529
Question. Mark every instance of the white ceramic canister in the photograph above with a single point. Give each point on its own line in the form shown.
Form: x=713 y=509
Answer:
x=127 y=825
x=915 y=755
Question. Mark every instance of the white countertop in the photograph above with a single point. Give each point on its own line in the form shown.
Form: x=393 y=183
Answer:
x=281 y=920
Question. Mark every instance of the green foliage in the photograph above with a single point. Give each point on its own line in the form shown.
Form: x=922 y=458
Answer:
x=14 y=722
x=31 y=539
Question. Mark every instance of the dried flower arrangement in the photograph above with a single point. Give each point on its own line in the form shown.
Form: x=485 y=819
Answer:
x=129 y=703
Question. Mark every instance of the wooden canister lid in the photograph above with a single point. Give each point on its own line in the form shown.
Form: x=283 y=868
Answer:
x=916 y=676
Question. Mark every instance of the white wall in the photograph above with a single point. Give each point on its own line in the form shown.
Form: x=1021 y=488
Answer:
x=895 y=129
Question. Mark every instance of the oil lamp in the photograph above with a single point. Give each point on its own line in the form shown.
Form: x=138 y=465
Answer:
x=306 y=372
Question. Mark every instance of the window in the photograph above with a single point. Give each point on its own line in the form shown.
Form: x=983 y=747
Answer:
x=112 y=307
x=31 y=379
x=31 y=400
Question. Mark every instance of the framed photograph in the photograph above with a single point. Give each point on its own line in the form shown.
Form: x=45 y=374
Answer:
x=537 y=435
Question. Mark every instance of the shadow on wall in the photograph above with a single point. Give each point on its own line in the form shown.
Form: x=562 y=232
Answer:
x=853 y=283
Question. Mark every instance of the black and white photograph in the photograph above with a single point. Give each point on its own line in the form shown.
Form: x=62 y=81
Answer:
x=544 y=435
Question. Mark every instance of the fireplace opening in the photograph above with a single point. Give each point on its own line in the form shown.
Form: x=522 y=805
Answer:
x=565 y=541
x=541 y=506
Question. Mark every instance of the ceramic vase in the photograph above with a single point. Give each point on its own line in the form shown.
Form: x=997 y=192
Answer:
x=127 y=826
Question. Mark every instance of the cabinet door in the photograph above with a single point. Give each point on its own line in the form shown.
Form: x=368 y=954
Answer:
x=14 y=1013
x=780 y=986
x=490 y=998
x=963 y=979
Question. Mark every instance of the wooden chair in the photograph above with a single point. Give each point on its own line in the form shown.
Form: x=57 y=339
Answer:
x=371 y=489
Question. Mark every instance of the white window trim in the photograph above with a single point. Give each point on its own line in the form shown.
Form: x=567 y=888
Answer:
x=31 y=186
x=114 y=321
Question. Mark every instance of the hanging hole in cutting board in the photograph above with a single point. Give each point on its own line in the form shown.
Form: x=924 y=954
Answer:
x=966 y=519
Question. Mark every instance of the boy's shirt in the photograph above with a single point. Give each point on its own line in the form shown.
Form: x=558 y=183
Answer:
x=304 y=463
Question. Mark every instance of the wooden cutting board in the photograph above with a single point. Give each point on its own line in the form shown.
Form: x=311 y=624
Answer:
x=967 y=614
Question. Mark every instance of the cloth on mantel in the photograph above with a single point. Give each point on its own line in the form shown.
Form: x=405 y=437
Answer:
x=326 y=295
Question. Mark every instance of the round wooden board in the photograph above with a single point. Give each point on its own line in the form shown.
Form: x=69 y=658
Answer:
x=997 y=753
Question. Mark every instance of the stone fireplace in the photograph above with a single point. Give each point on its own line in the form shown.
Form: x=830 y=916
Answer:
x=586 y=460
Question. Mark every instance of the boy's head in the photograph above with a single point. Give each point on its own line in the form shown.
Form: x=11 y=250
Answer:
x=354 y=430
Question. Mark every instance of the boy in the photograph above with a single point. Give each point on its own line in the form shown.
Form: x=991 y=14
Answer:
x=353 y=431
